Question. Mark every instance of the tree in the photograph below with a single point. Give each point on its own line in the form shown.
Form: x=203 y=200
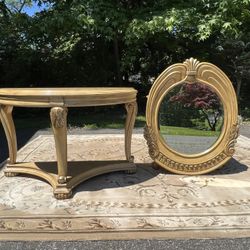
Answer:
x=201 y=97
x=235 y=55
x=112 y=41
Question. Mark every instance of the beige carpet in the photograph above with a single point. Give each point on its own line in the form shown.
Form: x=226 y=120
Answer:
x=149 y=204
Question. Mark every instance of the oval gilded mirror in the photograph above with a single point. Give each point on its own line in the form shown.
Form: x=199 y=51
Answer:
x=191 y=118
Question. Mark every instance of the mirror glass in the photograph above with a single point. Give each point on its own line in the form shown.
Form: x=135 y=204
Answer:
x=190 y=118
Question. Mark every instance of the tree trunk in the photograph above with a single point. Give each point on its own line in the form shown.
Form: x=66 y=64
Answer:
x=117 y=61
x=207 y=118
x=238 y=86
x=4 y=9
x=213 y=127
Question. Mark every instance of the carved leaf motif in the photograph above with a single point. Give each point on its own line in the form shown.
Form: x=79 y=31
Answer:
x=151 y=141
x=192 y=65
x=58 y=117
x=234 y=133
x=190 y=167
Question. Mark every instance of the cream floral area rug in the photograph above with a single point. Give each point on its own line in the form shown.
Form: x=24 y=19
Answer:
x=151 y=203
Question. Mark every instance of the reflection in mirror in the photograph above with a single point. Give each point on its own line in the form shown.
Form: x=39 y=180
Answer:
x=190 y=118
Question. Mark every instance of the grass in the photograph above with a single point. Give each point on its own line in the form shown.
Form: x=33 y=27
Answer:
x=95 y=119
x=115 y=121
x=82 y=120
x=171 y=130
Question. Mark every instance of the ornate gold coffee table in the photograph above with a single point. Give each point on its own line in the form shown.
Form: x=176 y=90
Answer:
x=58 y=100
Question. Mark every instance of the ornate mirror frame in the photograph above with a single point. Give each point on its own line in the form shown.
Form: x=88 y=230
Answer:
x=222 y=150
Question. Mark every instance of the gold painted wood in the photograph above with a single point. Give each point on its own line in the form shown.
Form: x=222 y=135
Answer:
x=68 y=97
x=218 y=154
x=79 y=172
x=59 y=99
x=58 y=116
x=9 y=128
x=130 y=121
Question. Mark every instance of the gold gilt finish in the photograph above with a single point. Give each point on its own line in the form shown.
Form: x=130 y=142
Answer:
x=58 y=100
x=189 y=72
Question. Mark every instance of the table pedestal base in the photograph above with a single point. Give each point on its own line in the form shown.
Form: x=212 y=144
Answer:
x=77 y=172
x=63 y=178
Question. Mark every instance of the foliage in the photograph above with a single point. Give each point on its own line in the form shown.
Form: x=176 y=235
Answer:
x=235 y=55
x=200 y=97
x=171 y=130
x=175 y=113
x=112 y=42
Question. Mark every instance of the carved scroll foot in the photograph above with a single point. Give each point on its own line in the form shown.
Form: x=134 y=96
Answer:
x=10 y=174
x=129 y=125
x=10 y=131
x=62 y=193
x=131 y=171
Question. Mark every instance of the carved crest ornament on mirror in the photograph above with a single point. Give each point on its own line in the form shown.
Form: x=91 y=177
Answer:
x=191 y=118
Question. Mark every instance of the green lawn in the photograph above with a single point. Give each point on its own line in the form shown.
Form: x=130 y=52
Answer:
x=171 y=130
x=104 y=121
x=113 y=120
x=75 y=119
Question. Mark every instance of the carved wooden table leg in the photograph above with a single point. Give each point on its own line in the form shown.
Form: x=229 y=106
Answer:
x=129 y=125
x=58 y=116
x=10 y=132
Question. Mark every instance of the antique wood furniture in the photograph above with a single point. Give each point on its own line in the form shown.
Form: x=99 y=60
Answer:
x=59 y=100
x=192 y=72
